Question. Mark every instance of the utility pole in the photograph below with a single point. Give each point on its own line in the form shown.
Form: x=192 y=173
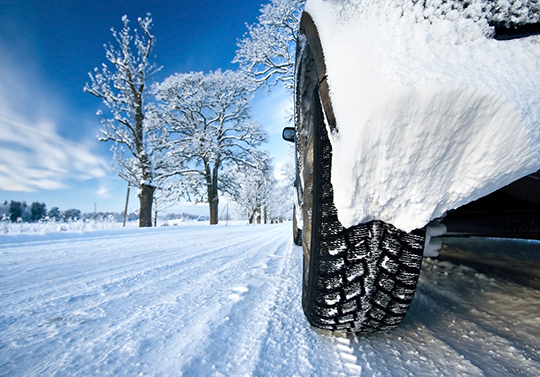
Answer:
x=127 y=201
x=227 y=214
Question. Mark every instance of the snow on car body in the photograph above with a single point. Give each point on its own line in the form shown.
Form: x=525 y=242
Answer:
x=432 y=112
x=404 y=110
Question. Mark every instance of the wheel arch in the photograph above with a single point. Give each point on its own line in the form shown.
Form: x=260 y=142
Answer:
x=310 y=73
x=313 y=44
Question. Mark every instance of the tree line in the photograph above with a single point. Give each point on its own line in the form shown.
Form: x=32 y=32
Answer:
x=192 y=136
x=17 y=212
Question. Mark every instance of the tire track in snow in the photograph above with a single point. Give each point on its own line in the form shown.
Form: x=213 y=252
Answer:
x=458 y=325
x=347 y=354
x=463 y=321
x=136 y=316
x=234 y=340
x=204 y=304
x=92 y=283
x=290 y=346
x=99 y=285
x=136 y=262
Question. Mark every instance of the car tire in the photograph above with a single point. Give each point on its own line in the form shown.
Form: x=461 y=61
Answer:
x=360 y=279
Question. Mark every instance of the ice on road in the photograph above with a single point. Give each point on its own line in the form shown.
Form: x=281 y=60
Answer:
x=226 y=301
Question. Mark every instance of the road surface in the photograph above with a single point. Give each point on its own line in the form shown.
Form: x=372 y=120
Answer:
x=226 y=301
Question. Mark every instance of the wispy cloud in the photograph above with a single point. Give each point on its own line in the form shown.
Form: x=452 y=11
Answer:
x=33 y=154
x=104 y=190
x=34 y=157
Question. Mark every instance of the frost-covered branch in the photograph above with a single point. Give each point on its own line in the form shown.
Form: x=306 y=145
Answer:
x=267 y=51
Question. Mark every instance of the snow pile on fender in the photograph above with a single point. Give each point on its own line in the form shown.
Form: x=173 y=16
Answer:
x=432 y=112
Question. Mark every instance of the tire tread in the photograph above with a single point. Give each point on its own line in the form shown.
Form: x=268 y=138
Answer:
x=366 y=274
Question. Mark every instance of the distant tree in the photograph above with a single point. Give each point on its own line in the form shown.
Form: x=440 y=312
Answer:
x=55 y=214
x=38 y=211
x=131 y=123
x=211 y=131
x=280 y=203
x=4 y=210
x=71 y=214
x=132 y=216
x=254 y=193
x=183 y=216
x=267 y=51
x=15 y=211
x=26 y=214
x=103 y=216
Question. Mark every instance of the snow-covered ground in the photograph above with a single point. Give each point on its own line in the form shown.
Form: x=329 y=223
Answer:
x=226 y=301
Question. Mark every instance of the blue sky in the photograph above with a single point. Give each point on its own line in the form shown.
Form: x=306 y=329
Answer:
x=48 y=125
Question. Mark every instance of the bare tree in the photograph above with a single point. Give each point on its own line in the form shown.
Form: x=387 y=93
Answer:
x=211 y=131
x=131 y=123
x=267 y=51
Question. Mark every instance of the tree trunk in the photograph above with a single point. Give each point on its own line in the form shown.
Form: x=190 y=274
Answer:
x=213 y=195
x=146 y=197
x=214 y=202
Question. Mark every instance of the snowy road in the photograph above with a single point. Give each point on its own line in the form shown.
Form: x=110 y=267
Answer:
x=214 y=301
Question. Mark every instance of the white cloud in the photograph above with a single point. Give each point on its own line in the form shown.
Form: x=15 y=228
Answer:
x=33 y=155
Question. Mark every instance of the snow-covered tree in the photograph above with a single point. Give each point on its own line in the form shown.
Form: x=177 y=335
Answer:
x=15 y=211
x=211 y=131
x=282 y=198
x=262 y=198
x=267 y=51
x=130 y=123
x=165 y=197
x=55 y=214
x=4 y=210
x=254 y=193
x=38 y=211
x=71 y=214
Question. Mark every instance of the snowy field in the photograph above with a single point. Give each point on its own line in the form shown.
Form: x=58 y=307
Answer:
x=226 y=301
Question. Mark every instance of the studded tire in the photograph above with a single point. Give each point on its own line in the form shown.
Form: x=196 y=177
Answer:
x=360 y=279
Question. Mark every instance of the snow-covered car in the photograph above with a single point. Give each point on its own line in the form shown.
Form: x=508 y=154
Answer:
x=405 y=110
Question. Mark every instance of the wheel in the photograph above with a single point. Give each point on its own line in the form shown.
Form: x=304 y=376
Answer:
x=360 y=279
x=297 y=233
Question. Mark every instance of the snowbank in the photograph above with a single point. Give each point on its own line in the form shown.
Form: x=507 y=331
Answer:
x=431 y=111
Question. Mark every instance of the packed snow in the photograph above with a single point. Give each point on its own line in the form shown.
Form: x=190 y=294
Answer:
x=432 y=112
x=226 y=301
